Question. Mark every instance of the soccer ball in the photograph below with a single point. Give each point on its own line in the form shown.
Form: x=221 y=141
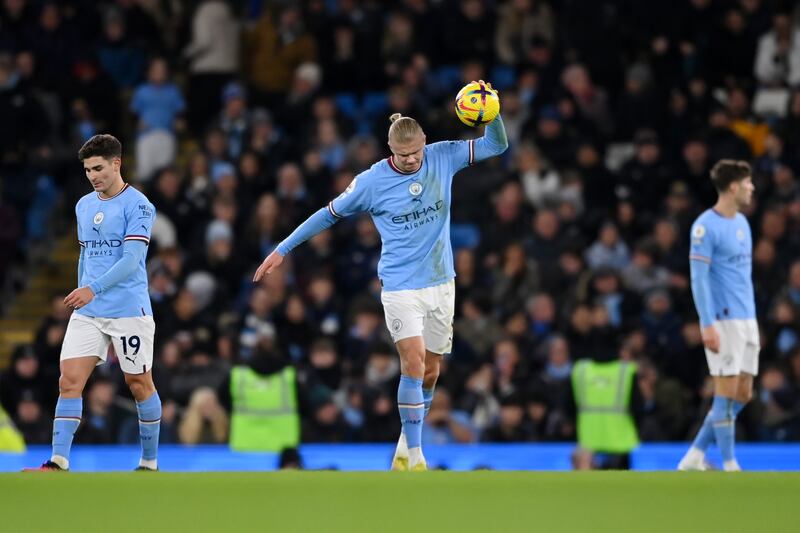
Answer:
x=476 y=104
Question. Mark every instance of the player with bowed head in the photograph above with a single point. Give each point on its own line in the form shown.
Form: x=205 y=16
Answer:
x=408 y=196
x=111 y=304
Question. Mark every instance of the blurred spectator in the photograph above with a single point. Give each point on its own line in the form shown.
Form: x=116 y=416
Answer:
x=516 y=277
x=204 y=420
x=100 y=419
x=540 y=181
x=32 y=420
x=644 y=273
x=509 y=426
x=26 y=378
x=608 y=250
x=443 y=425
x=274 y=48
x=778 y=54
x=518 y=23
x=156 y=103
x=119 y=56
x=213 y=55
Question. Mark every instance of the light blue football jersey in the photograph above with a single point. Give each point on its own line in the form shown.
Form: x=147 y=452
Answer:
x=411 y=210
x=103 y=225
x=726 y=245
x=412 y=214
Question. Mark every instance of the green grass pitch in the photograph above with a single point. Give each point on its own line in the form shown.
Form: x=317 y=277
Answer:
x=591 y=502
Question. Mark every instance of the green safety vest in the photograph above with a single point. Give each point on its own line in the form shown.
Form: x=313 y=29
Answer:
x=602 y=395
x=264 y=415
x=11 y=439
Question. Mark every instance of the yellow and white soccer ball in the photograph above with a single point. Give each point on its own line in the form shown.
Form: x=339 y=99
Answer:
x=477 y=104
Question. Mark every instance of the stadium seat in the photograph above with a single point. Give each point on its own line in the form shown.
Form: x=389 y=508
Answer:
x=347 y=103
x=502 y=77
x=464 y=236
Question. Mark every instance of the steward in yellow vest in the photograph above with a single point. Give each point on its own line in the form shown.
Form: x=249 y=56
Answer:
x=10 y=438
x=605 y=395
x=264 y=411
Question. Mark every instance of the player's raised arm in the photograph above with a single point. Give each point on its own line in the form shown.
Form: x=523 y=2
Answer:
x=353 y=200
x=494 y=141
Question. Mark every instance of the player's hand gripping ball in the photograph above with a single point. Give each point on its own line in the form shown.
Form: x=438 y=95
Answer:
x=477 y=103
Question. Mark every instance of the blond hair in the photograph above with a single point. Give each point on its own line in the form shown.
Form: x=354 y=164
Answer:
x=403 y=129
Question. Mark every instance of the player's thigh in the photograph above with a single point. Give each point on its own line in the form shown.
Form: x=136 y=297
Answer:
x=727 y=362
x=438 y=333
x=75 y=373
x=84 y=338
x=751 y=347
x=133 y=341
x=404 y=313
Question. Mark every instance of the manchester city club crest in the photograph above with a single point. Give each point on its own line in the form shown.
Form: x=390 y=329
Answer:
x=740 y=234
x=397 y=325
x=98 y=218
x=415 y=189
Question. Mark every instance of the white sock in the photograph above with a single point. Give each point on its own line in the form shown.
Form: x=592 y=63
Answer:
x=415 y=456
x=402 y=446
x=149 y=463
x=731 y=466
x=61 y=461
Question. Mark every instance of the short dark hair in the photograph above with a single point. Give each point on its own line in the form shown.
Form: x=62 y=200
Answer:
x=103 y=145
x=728 y=171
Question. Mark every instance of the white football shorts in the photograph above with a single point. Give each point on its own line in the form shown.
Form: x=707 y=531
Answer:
x=424 y=312
x=739 y=345
x=132 y=338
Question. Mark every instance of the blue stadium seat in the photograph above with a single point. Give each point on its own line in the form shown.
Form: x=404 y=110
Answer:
x=448 y=78
x=347 y=103
x=502 y=77
x=374 y=104
x=464 y=235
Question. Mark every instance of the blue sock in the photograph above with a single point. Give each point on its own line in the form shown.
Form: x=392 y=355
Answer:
x=724 y=421
x=427 y=397
x=705 y=435
x=412 y=409
x=149 y=425
x=737 y=408
x=66 y=421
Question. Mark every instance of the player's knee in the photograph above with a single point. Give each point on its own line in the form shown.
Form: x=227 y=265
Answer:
x=140 y=389
x=745 y=396
x=414 y=365
x=431 y=373
x=69 y=384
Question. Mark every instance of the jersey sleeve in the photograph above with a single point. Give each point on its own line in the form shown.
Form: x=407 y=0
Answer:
x=465 y=153
x=702 y=243
x=460 y=153
x=139 y=217
x=81 y=244
x=78 y=220
x=355 y=198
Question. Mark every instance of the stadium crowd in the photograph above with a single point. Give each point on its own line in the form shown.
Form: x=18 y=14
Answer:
x=239 y=119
